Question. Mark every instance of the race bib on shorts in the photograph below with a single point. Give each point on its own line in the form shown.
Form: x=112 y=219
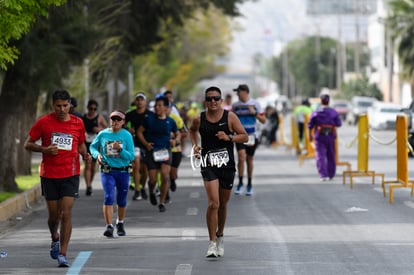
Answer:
x=110 y=151
x=161 y=155
x=218 y=157
x=90 y=137
x=251 y=141
x=137 y=151
x=63 y=141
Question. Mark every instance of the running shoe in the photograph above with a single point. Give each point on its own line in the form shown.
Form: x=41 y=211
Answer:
x=88 y=191
x=167 y=198
x=63 y=262
x=137 y=196
x=153 y=199
x=109 y=232
x=173 y=185
x=249 y=190
x=324 y=179
x=212 y=250
x=120 y=229
x=239 y=189
x=144 y=194
x=161 y=207
x=220 y=246
x=54 y=249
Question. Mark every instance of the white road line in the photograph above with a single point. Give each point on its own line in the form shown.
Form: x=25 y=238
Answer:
x=409 y=204
x=183 y=269
x=188 y=234
x=194 y=195
x=192 y=211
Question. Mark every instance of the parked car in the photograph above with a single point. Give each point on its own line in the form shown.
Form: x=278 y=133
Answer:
x=360 y=105
x=383 y=115
x=342 y=107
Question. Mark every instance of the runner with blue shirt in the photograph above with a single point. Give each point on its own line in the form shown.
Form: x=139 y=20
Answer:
x=158 y=133
x=248 y=110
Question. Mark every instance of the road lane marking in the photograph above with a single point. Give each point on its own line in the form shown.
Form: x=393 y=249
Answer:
x=409 y=204
x=188 y=234
x=194 y=195
x=79 y=262
x=183 y=269
x=192 y=211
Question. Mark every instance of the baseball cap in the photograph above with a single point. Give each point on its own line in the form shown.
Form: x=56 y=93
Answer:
x=73 y=102
x=241 y=87
x=140 y=94
x=117 y=114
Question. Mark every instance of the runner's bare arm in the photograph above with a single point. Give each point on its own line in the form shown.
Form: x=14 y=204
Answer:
x=236 y=127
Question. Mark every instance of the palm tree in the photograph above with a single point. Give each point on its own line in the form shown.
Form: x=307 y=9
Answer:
x=400 y=22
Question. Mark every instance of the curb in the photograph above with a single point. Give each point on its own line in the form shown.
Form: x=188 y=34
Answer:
x=16 y=204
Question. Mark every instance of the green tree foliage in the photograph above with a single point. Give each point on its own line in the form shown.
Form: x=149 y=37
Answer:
x=186 y=54
x=17 y=16
x=359 y=87
x=400 y=22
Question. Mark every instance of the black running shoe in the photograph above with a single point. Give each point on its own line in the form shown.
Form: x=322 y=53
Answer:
x=153 y=199
x=173 y=185
x=167 y=198
x=120 y=229
x=137 y=196
x=109 y=232
x=88 y=191
x=161 y=207
x=144 y=194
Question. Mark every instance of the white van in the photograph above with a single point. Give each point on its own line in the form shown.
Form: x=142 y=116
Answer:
x=360 y=105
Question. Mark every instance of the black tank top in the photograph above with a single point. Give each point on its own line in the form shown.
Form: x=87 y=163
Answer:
x=211 y=144
x=90 y=123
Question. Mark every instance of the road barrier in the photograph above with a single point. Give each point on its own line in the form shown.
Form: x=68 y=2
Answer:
x=402 y=180
x=363 y=145
x=309 y=145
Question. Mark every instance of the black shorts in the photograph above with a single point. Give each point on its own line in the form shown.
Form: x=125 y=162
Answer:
x=88 y=145
x=176 y=159
x=250 y=150
x=224 y=176
x=155 y=165
x=55 y=189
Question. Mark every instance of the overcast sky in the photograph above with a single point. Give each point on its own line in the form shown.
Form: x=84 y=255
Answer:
x=268 y=24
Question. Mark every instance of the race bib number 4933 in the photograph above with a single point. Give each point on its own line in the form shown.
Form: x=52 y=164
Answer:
x=63 y=141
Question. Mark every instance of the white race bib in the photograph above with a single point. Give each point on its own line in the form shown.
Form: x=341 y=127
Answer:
x=63 y=141
x=251 y=141
x=137 y=151
x=161 y=155
x=110 y=151
x=218 y=157
x=90 y=137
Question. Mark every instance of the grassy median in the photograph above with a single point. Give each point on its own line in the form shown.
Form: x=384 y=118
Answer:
x=24 y=183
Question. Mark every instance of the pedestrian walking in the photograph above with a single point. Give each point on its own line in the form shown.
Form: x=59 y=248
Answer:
x=248 y=110
x=323 y=123
x=62 y=138
x=299 y=113
x=218 y=129
x=114 y=150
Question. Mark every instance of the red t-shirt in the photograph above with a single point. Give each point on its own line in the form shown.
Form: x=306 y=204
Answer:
x=68 y=135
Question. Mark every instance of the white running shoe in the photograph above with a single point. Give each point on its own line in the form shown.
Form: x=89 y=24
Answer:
x=212 y=250
x=220 y=246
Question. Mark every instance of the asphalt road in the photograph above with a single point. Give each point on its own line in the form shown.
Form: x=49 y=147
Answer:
x=293 y=224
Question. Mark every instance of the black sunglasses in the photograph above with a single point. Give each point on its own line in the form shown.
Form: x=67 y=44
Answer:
x=210 y=98
x=115 y=118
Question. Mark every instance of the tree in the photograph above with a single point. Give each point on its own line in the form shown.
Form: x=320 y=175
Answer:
x=17 y=16
x=360 y=87
x=400 y=22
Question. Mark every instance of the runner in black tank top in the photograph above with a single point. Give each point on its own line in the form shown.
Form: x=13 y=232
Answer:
x=218 y=129
x=210 y=142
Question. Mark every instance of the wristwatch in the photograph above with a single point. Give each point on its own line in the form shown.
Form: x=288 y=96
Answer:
x=231 y=137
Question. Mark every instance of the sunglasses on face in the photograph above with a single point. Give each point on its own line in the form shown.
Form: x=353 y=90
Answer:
x=115 y=118
x=210 y=98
